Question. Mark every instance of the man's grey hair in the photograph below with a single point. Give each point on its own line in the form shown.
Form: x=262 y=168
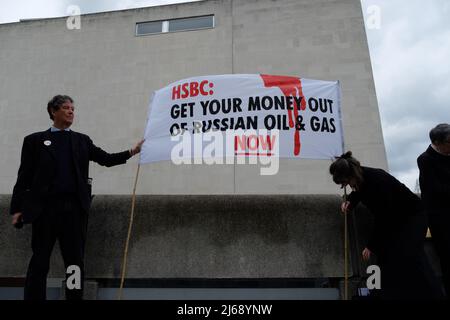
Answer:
x=440 y=134
x=56 y=102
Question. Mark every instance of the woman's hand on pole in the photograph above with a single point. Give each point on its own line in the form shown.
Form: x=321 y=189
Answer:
x=366 y=254
x=345 y=207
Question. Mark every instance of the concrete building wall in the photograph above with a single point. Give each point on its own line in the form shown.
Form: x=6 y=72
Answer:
x=201 y=236
x=111 y=73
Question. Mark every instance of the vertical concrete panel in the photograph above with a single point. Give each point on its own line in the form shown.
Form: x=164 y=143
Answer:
x=312 y=39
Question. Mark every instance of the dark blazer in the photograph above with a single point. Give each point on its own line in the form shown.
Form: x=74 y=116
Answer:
x=38 y=168
x=390 y=202
x=434 y=181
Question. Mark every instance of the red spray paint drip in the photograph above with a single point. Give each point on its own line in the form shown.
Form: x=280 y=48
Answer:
x=290 y=86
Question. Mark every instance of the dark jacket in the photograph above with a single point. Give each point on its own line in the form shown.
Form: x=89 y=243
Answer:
x=434 y=181
x=389 y=200
x=38 y=168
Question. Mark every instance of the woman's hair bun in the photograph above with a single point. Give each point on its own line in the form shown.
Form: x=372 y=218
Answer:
x=347 y=155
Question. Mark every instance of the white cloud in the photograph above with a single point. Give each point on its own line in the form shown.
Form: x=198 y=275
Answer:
x=409 y=178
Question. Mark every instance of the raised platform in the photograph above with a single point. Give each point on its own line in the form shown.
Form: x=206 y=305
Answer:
x=192 y=236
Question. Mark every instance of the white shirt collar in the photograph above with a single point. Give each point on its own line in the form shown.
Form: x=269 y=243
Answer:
x=53 y=129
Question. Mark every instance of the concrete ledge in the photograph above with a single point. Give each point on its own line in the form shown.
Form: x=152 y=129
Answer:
x=200 y=236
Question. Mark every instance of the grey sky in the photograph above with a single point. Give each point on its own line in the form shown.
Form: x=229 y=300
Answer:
x=14 y=10
x=409 y=55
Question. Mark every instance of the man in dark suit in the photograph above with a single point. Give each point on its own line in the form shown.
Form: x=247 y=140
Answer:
x=53 y=193
x=434 y=166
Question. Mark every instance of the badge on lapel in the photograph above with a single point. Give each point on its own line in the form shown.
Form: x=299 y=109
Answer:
x=47 y=142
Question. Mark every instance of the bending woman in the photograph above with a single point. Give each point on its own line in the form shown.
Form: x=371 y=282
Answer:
x=399 y=229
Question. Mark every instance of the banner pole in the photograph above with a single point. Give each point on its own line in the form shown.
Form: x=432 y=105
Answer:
x=345 y=251
x=125 y=254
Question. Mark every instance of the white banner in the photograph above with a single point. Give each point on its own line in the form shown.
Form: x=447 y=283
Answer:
x=253 y=115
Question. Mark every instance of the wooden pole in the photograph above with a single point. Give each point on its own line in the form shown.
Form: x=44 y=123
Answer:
x=125 y=254
x=345 y=251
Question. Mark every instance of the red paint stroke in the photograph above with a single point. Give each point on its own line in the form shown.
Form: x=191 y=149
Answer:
x=290 y=86
x=254 y=154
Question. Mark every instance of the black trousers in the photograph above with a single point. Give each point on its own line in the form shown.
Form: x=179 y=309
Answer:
x=406 y=272
x=65 y=221
x=440 y=232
